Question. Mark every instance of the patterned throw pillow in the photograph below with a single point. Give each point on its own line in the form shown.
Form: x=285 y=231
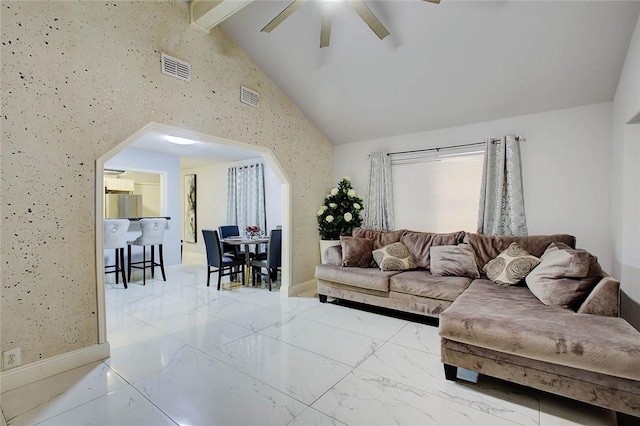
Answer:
x=511 y=266
x=394 y=257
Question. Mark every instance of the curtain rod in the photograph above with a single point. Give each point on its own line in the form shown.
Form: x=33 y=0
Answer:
x=246 y=167
x=493 y=140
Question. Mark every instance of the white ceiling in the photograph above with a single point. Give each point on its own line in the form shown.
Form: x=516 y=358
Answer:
x=443 y=65
x=197 y=155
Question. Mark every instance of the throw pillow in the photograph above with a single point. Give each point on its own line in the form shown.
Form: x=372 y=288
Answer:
x=356 y=252
x=380 y=238
x=511 y=266
x=565 y=277
x=394 y=257
x=420 y=243
x=456 y=261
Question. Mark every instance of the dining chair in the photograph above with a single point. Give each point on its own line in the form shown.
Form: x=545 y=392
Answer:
x=273 y=261
x=219 y=260
x=115 y=237
x=152 y=235
x=229 y=250
x=226 y=231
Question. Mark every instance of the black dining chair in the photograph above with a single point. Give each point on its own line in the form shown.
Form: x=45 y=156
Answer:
x=273 y=261
x=216 y=261
x=230 y=250
x=226 y=231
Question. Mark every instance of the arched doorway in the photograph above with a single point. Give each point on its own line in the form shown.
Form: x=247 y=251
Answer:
x=266 y=155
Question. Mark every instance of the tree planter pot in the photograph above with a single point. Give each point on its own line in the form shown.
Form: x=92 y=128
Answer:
x=324 y=244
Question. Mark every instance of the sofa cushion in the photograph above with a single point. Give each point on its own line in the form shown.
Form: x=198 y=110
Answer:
x=370 y=278
x=333 y=255
x=380 y=238
x=565 y=277
x=420 y=243
x=454 y=261
x=422 y=283
x=394 y=257
x=357 y=252
x=511 y=266
x=604 y=299
x=488 y=247
x=512 y=320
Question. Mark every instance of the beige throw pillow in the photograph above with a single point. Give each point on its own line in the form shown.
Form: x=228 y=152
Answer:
x=565 y=277
x=394 y=257
x=454 y=261
x=511 y=266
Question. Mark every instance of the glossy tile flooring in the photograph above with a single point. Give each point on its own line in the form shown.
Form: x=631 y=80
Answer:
x=185 y=354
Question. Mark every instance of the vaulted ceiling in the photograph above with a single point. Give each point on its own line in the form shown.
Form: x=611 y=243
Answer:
x=451 y=64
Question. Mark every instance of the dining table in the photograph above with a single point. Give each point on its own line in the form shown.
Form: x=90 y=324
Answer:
x=246 y=242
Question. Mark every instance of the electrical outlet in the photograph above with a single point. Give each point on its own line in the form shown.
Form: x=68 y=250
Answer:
x=11 y=359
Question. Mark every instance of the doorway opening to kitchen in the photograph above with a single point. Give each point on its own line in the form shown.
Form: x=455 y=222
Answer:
x=156 y=166
x=131 y=193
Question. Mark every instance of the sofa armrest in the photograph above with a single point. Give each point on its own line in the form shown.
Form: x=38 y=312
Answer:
x=333 y=255
x=604 y=299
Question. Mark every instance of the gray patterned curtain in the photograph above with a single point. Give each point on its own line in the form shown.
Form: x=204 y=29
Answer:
x=245 y=196
x=501 y=209
x=378 y=211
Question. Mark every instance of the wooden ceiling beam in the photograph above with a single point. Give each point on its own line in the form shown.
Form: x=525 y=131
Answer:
x=206 y=14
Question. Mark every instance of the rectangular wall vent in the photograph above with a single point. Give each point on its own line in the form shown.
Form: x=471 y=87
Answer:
x=249 y=97
x=176 y=68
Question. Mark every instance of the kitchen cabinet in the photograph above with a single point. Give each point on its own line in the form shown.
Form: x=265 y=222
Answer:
x=114 y=184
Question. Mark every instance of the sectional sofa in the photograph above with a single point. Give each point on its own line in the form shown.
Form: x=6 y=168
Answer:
x=584 y=351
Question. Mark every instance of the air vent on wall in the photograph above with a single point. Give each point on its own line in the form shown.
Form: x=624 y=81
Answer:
x=176 y=68
x=249 y=97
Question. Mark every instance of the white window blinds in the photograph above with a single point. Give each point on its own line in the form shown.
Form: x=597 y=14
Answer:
x=437 y=193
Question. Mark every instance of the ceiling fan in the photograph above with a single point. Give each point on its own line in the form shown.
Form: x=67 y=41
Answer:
x=325 y=31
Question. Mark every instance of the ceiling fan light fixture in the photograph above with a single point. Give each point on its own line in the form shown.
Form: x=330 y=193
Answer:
x=325 y=32
x=325 y=29
x=369 y=18
x=180 y=141
x=283 y=15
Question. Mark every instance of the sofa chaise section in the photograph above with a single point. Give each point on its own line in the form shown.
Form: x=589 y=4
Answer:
x=511 y=335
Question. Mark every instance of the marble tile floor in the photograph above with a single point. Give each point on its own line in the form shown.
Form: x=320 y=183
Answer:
x=185 y=354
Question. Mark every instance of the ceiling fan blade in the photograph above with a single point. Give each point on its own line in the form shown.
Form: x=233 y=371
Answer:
x=369 y=18
x=433 y=1
x=283 y=15
x=325 y=30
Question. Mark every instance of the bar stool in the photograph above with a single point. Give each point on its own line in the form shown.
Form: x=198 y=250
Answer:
x=152 y=235
x=115 y=237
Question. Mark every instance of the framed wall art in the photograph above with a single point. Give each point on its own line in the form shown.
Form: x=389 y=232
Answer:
x=190 y=203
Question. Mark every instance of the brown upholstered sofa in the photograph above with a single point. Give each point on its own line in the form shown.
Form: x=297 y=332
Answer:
x=589 y=354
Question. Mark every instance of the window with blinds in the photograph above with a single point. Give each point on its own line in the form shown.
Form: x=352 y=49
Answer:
x=437 y=193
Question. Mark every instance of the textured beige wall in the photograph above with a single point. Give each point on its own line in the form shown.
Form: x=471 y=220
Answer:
x=77 y=79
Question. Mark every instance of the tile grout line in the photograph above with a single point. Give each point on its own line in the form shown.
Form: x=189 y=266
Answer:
x=432 y=393
x=152 y=403
x=286 y=343
x=9 y=421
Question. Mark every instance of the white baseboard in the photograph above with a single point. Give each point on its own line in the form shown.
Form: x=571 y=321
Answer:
x=39 y=370
x=302 y=287
x=195 y=257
